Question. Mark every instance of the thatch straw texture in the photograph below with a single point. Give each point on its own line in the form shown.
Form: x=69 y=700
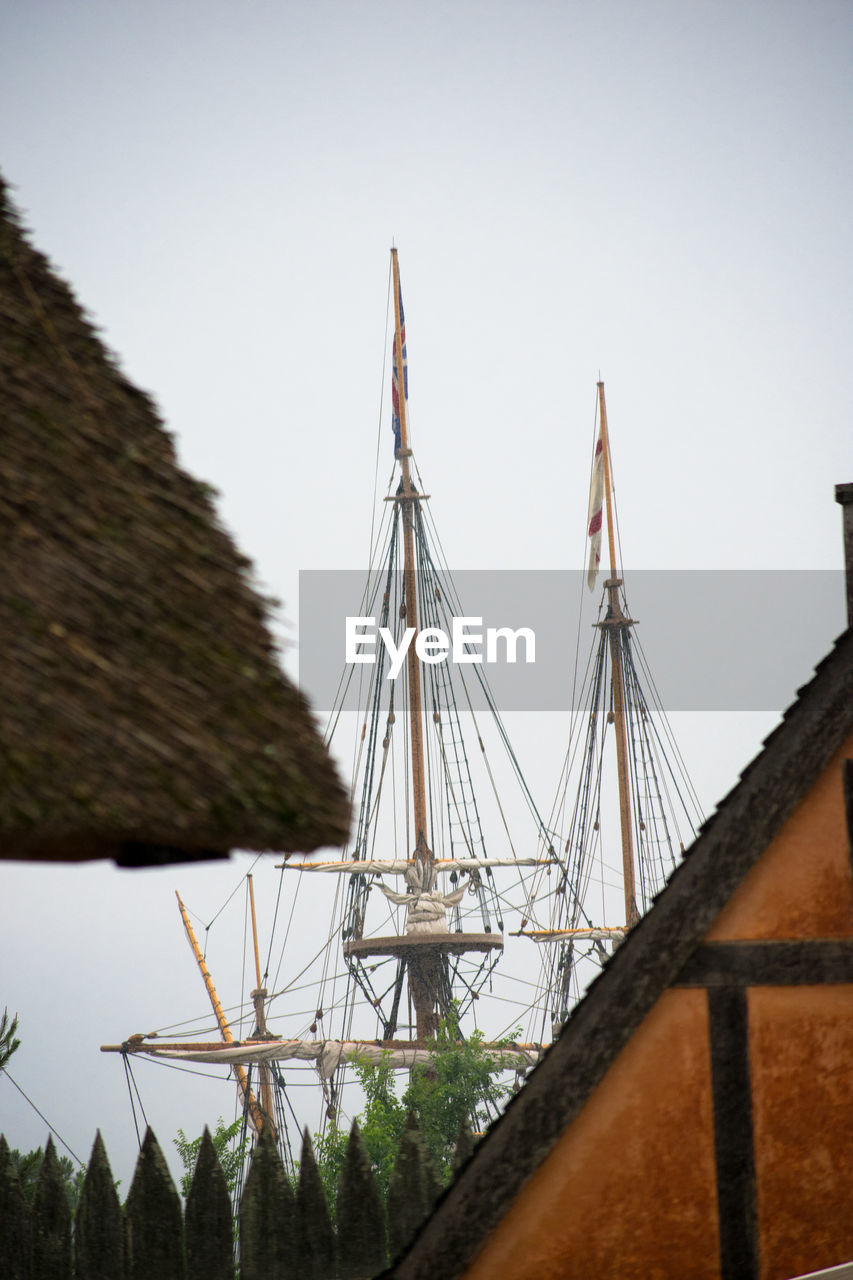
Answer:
x=143 y=715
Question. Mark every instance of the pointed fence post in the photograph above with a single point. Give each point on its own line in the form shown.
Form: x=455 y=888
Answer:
x=98 y=1236
x=51 y=1221
x=267 y=1217
x=412 y=1190
x=316 y=1233
x=14 y=1221
x=154 y=1229
x=362 y=1230
x=208 y=1227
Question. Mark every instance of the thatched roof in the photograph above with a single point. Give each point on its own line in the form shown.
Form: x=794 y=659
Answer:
x=143 y=714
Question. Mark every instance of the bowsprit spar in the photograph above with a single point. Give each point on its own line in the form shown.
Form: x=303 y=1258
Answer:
x=453 y=902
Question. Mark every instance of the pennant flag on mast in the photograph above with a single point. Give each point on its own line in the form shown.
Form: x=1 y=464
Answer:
x=596 y=498
x=395 y=380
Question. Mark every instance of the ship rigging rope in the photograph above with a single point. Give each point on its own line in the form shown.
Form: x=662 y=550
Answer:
x=212 y=1028
x=648 y=755
x=655 y=783
x=376 y=538
x=232 y=894
x=590 y=840
x=388 y=531
x=327 y=954
x=440 y=761
x=285 y=939
x=275 y=921
x=374 y=698
x=43 y=1117
x=303 y=970
x=243 y=1006
x=545 y=834
x=212 y=1074
x=381 y=412
x=577 y=703
x=128 y=1071
x=671 y=742
x=451 y=791
x=647 y=673
x=453 y=598
x=282 y=1095
x=448 y=726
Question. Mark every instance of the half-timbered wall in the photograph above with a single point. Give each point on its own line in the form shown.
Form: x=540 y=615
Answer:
x=720 y=1141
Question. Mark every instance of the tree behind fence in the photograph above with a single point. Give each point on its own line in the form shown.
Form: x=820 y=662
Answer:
x=281 y=1233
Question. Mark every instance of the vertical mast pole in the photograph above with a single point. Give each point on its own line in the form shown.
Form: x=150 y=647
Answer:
x=617 y=623
x=423 y=972
x=408 y=497
x=259 y=995
x=608 y=496
x=246 y=1095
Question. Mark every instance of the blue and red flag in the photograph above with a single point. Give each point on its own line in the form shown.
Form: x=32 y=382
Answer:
x=395 y=380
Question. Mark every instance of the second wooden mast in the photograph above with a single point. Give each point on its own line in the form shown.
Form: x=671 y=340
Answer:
x=408 y=496
x=616 y=624
x=424 y=968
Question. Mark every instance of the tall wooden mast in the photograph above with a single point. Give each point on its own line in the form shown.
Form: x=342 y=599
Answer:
x=616 y=623
x=407 y=497
x=423 y=967
x=422 y=953
x=259 y=996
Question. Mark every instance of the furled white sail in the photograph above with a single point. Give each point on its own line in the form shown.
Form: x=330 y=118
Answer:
x=327 y=1054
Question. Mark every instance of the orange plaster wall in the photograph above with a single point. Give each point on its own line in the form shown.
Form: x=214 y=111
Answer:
x=801 y=885
x=629 y=1189
x=801 y=1055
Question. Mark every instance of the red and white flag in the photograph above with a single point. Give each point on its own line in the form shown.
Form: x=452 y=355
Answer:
x=596 y=497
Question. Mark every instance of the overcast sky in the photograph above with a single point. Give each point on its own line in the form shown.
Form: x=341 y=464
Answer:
x=657 y=192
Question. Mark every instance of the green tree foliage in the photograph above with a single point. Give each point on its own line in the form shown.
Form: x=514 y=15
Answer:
x=458 y=1085
x=381 y=1124
x=28 y=1166
x=8 y=1041
x=457 y=1089
x=15 y=1237
x=231 y=1158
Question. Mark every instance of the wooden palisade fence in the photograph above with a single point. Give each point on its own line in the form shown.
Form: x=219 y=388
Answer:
x=282 y=1233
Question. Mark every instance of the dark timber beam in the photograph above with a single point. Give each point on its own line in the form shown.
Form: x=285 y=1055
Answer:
x=733 y=1138
x=813 y=962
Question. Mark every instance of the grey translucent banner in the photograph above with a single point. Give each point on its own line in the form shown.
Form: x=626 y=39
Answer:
x=712 y=640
